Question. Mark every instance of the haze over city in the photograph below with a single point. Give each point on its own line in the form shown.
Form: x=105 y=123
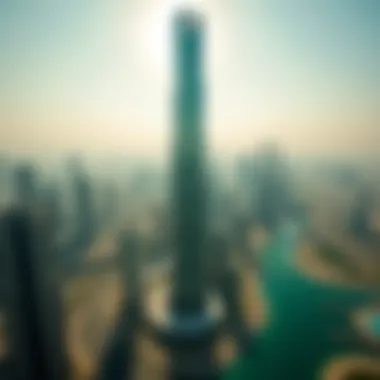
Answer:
x=98 y=80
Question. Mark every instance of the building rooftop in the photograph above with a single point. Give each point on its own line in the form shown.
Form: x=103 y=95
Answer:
x=189 y=19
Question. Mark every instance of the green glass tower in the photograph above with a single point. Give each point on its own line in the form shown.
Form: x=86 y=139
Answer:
x=188 y=191
x=191 y=321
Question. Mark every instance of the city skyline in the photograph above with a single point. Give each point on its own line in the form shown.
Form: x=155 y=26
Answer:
x=97 y=77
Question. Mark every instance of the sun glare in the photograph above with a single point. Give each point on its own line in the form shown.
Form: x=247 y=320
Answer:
x=157 y=29
x=187 y=3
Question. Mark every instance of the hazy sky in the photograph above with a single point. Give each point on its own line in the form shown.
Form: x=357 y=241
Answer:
x=96 y=74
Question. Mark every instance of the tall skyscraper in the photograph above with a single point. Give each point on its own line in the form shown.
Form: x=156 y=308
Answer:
x=271 y=184
x=33 y=303
x=110 y=205
x=189 y=196
x=4 y=169
x=190 y=326
x=84 y=209
x=193 y=320
x=53 y=206
x=25 y=185
x=359 y=218
x=244 y=185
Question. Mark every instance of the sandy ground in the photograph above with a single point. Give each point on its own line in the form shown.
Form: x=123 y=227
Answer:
x=99 y=309
x=311 y=264
x=152 y=360
x=365 y=263
x=342 y=368
x=92 y=302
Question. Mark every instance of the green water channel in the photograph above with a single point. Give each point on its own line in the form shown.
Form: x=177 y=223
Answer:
x=308 y=320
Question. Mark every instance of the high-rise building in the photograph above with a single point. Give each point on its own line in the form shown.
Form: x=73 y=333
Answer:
x=189 y=185
x=25 y=185
x=4 y=168
x=244 y=184
x=272 y=195
x=110 y=205
x=359 y=218
x=53 y=207
x=33 y=303
x=83 y=208
x=194 y=315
